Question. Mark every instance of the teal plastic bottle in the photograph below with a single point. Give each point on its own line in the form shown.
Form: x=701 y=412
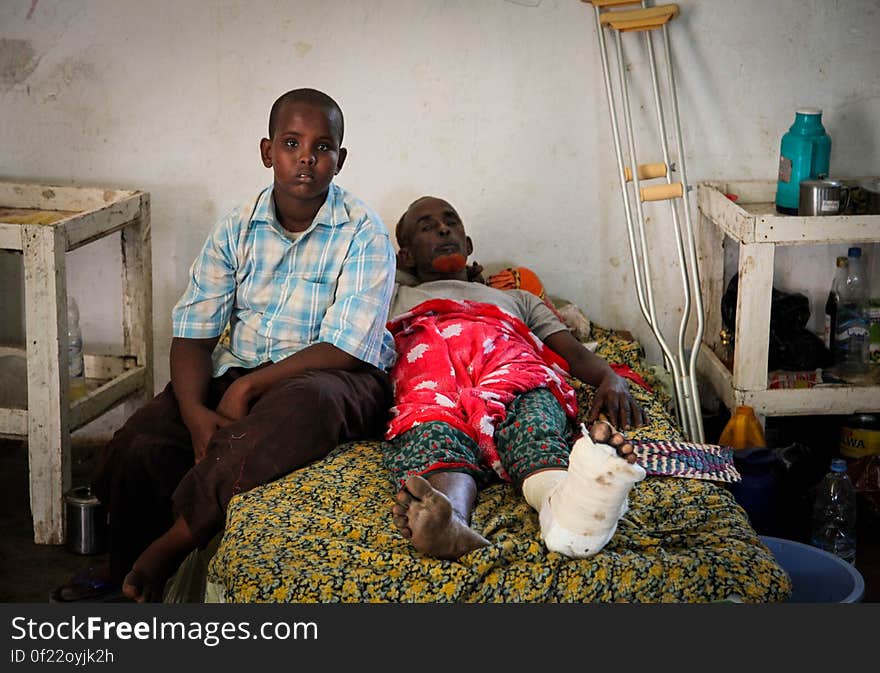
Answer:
x=804 y=154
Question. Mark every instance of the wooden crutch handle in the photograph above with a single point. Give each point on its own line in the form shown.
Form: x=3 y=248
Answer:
x=662 y=192
x=639 y=19
x=611 y=3
x=646 y=171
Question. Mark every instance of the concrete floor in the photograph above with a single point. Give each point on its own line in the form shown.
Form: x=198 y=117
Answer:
x=28 y=572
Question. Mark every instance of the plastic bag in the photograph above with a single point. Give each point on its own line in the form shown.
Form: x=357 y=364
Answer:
x=792 y=346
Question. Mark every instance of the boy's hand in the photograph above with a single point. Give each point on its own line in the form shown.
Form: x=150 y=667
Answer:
x=236 y=401
x=202 y=423
x=620 y=406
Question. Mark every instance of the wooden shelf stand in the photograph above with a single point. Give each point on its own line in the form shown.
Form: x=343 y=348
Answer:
x=43 y=222
x=753 y=223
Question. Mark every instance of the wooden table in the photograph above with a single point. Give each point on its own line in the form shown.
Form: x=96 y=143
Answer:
x=44 y=222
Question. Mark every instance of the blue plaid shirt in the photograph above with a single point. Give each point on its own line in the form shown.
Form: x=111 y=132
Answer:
x=333 y=284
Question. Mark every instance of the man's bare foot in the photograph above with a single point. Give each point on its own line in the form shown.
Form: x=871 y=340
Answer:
x=426 y=517
x=152 y=569
x=604 y=433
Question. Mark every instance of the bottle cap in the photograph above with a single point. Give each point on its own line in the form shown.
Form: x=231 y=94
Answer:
x=842 y=261
x=809 y=111
x=854 y=252
x=838 y=465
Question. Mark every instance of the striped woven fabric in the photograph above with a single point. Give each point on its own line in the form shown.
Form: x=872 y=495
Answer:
x=686 y=459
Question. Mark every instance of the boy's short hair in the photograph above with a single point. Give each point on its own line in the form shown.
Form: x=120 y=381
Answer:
x=312 y=97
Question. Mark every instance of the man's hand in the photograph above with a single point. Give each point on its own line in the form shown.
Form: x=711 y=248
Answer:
x=475 y=273
x=202 y=423
x=612 y=391
x=621 y=408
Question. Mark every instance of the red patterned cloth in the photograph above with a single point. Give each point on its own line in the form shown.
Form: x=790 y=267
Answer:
x=627 y=372
x=462 y=363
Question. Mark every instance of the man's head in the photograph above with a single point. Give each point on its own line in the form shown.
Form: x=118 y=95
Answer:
x=304 y=148
x=433 y=243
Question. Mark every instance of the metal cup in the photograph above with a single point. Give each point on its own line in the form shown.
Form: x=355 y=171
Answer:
x=86 y=521
x=822 y=197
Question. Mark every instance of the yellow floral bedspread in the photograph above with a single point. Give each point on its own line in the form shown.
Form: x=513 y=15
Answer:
x=324 y=534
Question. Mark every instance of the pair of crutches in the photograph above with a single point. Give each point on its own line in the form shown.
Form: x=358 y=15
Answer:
x=678 y=359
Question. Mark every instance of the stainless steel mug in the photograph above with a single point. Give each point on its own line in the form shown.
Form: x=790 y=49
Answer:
x=822 y=197
x=86 y=521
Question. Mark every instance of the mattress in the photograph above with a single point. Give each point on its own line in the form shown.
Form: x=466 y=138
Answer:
x=324 y=534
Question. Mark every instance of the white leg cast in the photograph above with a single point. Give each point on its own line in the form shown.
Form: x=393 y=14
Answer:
x=580 y=514
x=537 y=486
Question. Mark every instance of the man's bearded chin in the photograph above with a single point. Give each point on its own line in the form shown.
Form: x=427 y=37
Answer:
x=449 y=263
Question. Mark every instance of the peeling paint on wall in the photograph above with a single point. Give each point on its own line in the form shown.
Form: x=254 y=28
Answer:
x=18 y=59
x=302 y=48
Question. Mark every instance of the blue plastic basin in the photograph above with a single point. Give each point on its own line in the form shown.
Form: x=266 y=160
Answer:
x=816 y=575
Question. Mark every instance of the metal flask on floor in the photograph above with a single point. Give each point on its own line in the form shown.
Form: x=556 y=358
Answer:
x=86 y=521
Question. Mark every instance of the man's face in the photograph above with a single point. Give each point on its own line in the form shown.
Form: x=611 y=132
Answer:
x=433 y=231
x=304 y=152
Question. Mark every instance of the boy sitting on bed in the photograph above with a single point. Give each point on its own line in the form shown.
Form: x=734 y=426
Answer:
x=480 y=392
x=303 y=275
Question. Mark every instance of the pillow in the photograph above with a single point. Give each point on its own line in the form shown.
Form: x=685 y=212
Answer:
x=523 y=278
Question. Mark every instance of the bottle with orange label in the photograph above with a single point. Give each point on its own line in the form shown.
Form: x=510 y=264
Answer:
x=743 y=430
x=860 y=435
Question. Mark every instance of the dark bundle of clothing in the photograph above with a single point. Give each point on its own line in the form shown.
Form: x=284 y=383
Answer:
x=792 y=346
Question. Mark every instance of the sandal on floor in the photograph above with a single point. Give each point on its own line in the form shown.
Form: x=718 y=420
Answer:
x=86 y=587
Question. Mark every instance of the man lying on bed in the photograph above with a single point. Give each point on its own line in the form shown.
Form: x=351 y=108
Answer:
x=480 y=393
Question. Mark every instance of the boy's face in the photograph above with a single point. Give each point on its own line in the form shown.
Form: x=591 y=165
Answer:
x=304 y=153
x=433 y=231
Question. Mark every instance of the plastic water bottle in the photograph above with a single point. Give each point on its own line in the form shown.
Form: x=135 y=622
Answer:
x=834 y=513
x=852 y=335
x=76 y=366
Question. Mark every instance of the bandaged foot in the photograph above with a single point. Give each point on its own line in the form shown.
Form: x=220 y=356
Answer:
x=579 y=509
